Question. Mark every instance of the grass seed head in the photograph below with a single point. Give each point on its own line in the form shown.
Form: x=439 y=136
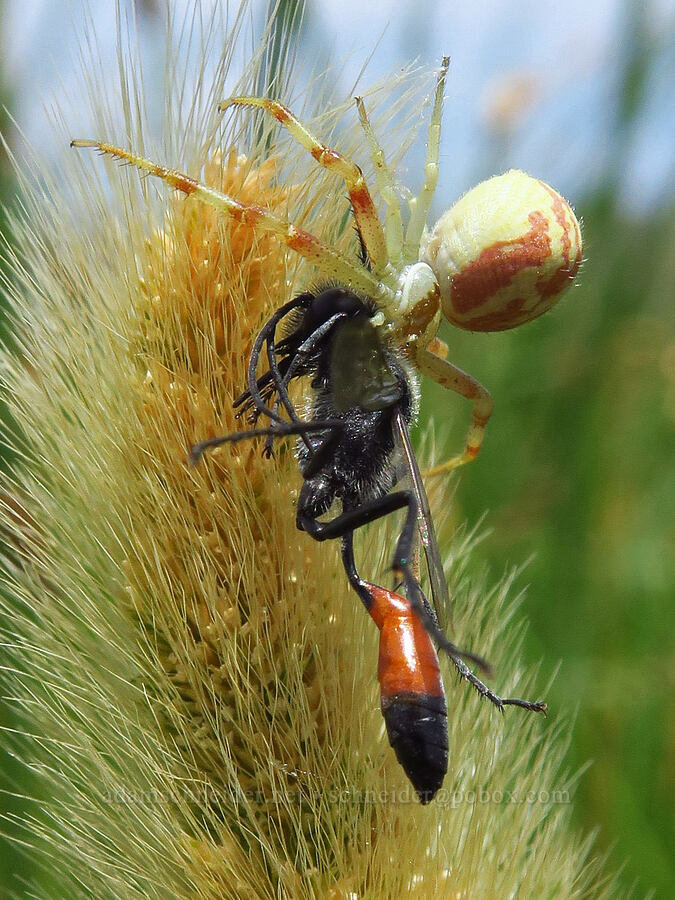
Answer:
x=198 y=681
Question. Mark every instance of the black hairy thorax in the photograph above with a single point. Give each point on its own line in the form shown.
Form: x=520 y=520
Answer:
x=356 y=379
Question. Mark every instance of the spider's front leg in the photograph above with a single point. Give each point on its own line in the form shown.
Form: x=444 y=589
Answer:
x=449 y=376
x=329 y=261
x=365 y=214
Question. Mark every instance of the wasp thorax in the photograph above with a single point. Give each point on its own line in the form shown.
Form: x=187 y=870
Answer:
x=504 y=253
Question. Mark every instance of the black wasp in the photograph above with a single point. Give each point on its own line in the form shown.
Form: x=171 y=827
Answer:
x=364 y=396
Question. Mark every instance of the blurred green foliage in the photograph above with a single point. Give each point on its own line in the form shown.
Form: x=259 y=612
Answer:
x=577 y=474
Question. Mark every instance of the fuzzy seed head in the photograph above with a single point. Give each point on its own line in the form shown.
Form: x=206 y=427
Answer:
x=197 y=682
x=504 y=253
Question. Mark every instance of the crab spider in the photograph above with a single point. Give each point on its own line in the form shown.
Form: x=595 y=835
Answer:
x=501 y=256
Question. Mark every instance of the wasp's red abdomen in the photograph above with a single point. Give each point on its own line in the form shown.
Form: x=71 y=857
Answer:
x=411 y=692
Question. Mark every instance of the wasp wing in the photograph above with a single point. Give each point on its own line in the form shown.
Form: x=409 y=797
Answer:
x=425 y=524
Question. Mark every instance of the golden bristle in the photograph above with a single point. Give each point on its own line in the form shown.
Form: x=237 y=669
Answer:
x=199 y=677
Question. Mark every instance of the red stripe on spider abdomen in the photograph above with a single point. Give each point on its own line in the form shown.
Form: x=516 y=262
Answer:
x=411 y=692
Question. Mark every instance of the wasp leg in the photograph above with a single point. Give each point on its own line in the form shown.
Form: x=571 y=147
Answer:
x=283 y=429
x=455 y=654
x=354 y=518
x=321 y=454
x=312 y=503
x=425 y=614
x=253 y=397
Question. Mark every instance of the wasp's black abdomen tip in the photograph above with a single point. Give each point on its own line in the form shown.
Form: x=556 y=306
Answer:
x=417 y=726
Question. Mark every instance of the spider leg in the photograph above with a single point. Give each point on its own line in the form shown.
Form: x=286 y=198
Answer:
x=367 y=220
x=329 y=261
x=449 y=376
x=385 y=181
x=419 y=206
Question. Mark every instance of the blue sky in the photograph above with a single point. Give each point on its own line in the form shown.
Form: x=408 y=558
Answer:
x=532 y=84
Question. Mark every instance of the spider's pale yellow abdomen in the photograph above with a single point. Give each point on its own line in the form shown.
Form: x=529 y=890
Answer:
x=504 y=253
